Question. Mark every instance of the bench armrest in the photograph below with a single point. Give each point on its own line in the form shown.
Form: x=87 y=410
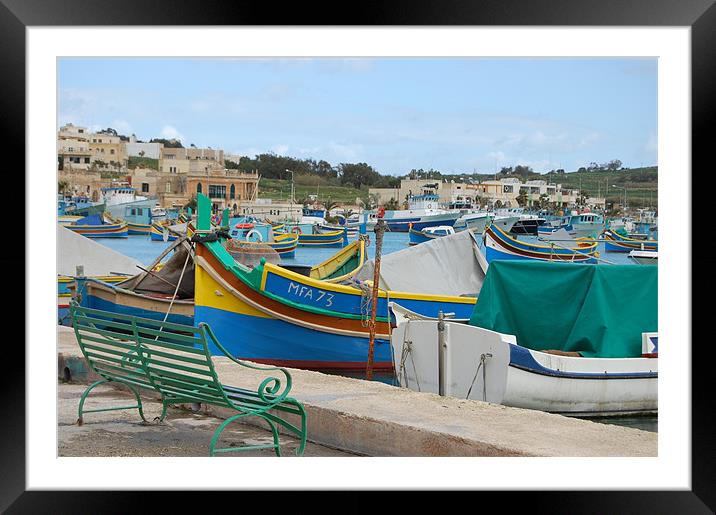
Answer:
x=271 y=386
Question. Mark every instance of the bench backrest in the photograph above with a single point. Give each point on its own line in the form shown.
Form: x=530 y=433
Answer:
x=171 y=358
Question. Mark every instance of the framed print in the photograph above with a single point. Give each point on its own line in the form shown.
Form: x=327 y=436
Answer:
x=48 y=48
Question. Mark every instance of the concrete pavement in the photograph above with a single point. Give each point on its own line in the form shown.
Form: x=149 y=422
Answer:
x=376 y=419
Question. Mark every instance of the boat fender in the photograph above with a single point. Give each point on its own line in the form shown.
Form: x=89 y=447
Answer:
x=297 y=230
x=252 y=232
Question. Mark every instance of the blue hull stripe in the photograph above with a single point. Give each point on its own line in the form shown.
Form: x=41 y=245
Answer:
x=90 y=301
x=522 y=358
x=248 y=337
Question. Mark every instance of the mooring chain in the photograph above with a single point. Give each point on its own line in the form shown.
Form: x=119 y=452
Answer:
x=483 y=357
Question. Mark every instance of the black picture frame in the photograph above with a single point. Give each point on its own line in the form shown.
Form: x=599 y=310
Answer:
x=699 y=15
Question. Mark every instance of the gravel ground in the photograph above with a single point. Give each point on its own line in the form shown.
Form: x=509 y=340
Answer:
x=183 y=433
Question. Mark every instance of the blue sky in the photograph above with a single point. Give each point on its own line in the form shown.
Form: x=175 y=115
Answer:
x=455 y=115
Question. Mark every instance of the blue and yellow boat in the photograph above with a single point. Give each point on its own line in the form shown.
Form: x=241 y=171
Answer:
x=157 y=232
x=615 y=242
x=270 y=314
x=95 y=226
x=310 y=237
x=500 y=245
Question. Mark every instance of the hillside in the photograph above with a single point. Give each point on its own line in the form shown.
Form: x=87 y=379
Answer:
x=641 y=184
x=280 y=189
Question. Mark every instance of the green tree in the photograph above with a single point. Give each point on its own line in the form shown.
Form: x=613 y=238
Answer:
x=522 y=198
x=62 y=186
x=392 y=205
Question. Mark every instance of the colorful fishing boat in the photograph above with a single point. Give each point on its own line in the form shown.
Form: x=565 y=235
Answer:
x=429 y=233
x=338 y=238
x=343 y=265
x=500 y=245
x=615 y=242
x=249 y=229
x=270 y=314
x=162 y=291
x=137 y=228
x=95 y=226
x=595 y=354
x=161 y=232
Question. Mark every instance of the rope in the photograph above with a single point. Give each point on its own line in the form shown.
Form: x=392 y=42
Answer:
x=484 y=377
x=166 y=315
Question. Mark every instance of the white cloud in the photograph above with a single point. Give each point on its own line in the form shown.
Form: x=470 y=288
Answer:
x=498 y=156
x=122 y=126
x=280 y=149
x=169 y=132
x=345 y=152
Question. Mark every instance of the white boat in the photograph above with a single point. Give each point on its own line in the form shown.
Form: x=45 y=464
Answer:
x=423 y=211
x=458 y=359
x=473 y=220
x=120 y=194
x=645 y=257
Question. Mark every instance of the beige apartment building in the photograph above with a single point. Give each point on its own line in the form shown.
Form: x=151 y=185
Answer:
x=73 y=149
x=80 y=149
x=225 y=188
x=186 y=160
x=108 y=151
x=484 y=193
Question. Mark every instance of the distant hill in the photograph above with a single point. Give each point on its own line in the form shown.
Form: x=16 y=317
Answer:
x=642 y=184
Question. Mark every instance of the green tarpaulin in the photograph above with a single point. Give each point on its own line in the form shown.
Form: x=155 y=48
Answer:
x=597 y=310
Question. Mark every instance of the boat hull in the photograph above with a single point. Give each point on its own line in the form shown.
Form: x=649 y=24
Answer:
x=419 y=222
x=499 y=245
x=108 y=298
x=142 y=229
x=156 y=233
x=615 y=242
x=272 y=315
x=101 y=231
x=519 y=377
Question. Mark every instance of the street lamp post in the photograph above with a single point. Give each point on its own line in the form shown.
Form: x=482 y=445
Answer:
x=291 y=172
x=625 y=194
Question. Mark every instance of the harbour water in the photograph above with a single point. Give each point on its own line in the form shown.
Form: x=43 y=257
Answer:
x=143 y=249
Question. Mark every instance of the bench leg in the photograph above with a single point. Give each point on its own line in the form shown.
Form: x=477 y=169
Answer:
x=274 y=431
x=91 y=387
x=302 y=435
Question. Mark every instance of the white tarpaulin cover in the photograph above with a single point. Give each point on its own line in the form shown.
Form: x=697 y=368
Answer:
x=74 y=249
x=448 y=265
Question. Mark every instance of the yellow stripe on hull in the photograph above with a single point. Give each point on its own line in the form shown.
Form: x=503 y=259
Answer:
x=206 y=288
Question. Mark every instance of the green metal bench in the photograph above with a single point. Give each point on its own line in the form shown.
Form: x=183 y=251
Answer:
x=174 y=360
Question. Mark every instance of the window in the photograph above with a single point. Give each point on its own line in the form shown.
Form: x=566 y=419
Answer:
x=111 y=151
x=87 y=159
x=168 y=187
x=217 y=191
x=145 y=187
x=198 y=188
x=232 y=193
